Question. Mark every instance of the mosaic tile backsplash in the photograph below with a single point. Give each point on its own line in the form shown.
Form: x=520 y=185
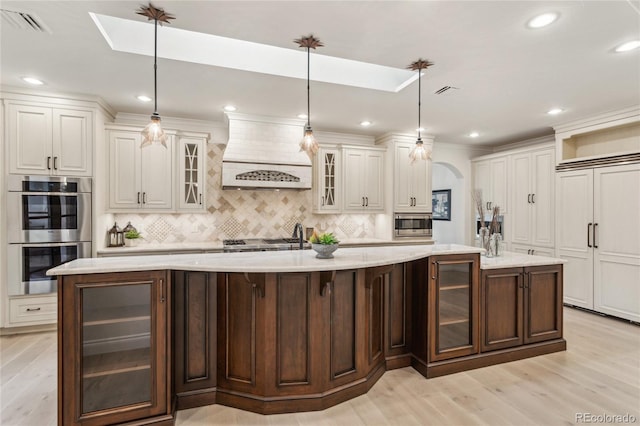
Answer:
x=244 y=214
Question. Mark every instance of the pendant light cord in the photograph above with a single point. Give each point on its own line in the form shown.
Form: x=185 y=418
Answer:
x=308 y=91
x=419 y=99
x=155 y=69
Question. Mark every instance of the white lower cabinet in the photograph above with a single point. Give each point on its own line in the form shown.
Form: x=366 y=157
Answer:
x=364 y=176
x=33 y=310
x=139 y=178
x=598 y=233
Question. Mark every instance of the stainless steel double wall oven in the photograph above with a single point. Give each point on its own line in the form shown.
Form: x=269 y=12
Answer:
x=49 y=223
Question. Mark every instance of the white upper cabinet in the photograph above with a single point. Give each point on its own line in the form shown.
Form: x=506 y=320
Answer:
x=49 y=141
x=363 y=185
x=532 y=198
x=139 y=178
x=191 y=183
x=412 y=182
x=491 y=177
x=327 y=183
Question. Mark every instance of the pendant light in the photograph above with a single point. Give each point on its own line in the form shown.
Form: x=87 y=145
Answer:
x=419 y=152
x=153 y=133
x=308 y=143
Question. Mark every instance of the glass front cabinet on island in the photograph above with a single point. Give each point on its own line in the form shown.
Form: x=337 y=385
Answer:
x=113 y=360
x=453 y=306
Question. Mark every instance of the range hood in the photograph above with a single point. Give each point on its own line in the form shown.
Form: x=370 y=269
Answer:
x=264 y=153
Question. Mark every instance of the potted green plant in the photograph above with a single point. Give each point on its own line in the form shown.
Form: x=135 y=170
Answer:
x=131 y=238
x=324 y=244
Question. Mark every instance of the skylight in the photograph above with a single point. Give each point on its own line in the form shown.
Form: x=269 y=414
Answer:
x=129 y=36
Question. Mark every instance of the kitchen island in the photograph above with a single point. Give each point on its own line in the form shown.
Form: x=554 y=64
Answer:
x=275 y=332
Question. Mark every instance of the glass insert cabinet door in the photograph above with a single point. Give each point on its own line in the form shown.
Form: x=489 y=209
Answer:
x=119 y=348
x=453 y=313
x=191 y=173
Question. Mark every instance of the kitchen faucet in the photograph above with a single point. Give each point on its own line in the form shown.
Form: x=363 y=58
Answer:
x=297 y=233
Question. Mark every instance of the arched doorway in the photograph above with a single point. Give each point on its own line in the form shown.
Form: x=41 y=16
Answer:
x=447 y=176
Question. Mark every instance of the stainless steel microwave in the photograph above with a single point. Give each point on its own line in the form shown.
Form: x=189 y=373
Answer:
x=416 y=225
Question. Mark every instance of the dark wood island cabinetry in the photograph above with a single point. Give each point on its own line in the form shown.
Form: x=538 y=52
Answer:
x=301 y=340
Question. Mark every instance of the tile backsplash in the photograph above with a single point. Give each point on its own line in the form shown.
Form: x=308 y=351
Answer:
x=244 y=214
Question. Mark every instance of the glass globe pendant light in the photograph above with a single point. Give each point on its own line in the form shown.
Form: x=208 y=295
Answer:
x=308 y=143
x=153 y=133
x=419 y=152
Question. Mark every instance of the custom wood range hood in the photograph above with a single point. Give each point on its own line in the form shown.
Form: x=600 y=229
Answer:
x=263 y=153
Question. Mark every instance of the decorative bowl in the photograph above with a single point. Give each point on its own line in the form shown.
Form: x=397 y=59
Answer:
x=325 y=251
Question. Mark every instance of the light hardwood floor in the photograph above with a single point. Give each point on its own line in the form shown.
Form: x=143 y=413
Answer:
x=598 y=374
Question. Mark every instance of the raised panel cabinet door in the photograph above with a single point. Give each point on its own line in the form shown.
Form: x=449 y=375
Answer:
x=543 y=200
x=482 y=179
x=543 y=303
x=522 y=208
x=191 y=183
x=30 y=150
x=241 y=312
x=125 y=191
x=374 y=181
x=574 y=239
x=421 y=186
x=375 y=282
x=344 y=292
x=195 y=337
x=499 y=184
x=354 y=171
x=397 y=315
x=616 y=241
x=502 y=309
x=403 y=182
x=72 y=142
x=157 y=177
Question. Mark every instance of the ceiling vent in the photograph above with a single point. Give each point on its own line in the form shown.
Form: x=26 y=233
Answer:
x=444 y=89
x=23 y=21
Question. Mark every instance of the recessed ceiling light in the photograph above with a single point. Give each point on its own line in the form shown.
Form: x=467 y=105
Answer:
x=229 y=108
x=555 y=111
x=630 y=45
x=302 y=116
x=32 y=80
x=365 y=123
x=474 y=134
x=143 y=98
x=542 y=20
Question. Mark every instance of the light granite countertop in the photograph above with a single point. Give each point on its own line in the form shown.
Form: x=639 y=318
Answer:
x=272 y=261
x=514 y=260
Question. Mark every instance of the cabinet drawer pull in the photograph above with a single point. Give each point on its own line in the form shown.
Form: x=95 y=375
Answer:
x=367 y=204
x=48 y=163
x=144 y=198
x=33 y=309
x=589 y=234
x=200 y=199
x=162 y=291
x=362 y=201
x=529 y=198
x=533 y=198
x=322 y=201
x=138 y=198
x=55 y=163
x=595 y=242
